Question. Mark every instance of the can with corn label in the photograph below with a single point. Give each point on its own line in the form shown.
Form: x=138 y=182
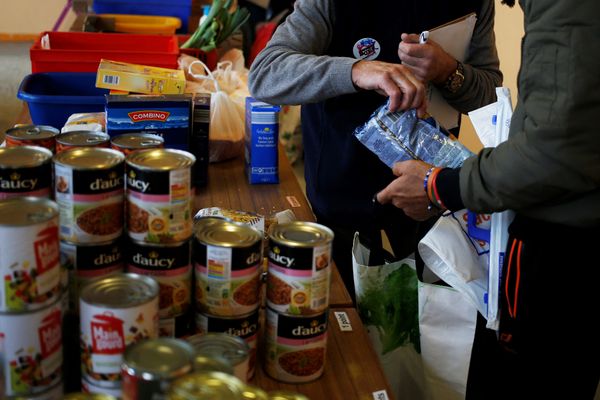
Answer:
x=32 y=135
x=25 y=171
x=89 y=191
x=129 y=142
x=29 y=256
x=87 y=261
x=227 y=258
x=32 y=355
x=159 y=195
x=168 y=264
x=77 y=139
x=245 y=327
x=295 y=346
x=115 y=312
x=299 y=274
x=149 y=367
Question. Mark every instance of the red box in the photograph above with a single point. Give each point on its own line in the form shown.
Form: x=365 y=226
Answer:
x=82 y=51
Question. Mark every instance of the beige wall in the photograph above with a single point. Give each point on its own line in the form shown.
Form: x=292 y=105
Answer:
x=25 y=17
x=509 y=30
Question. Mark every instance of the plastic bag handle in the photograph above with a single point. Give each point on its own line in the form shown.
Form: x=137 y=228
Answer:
x=474 y=231
x=210 y=76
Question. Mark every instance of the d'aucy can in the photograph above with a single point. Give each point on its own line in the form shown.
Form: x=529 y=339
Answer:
x=295 y=346
x=25 y=171
x=115 y=312
x=299 y=270
x=150 y=366
x=32 y=135
x=89 y=191
x=159 y=195
x=29 y=256
x=227 y=259
x=77 y=139
x=32 y=350
x=127 y=143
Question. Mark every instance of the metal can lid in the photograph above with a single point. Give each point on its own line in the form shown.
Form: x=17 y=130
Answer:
x=232 y=348
x=88 y=396
x=206 y=385
x=301 y=234
x=82 y=138
x=137 y=140
x=24 y=156
x=24 y=211
x=163 y=358
x=89 y=158
x=204 y=363
x=25 y=132
x=223 y=233
x=120 y=291
x=254 y=393
x=285 y=395
x=161 y=159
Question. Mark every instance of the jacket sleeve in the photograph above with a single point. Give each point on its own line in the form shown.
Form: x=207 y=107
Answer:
x=291 y=68
x=482 y=67
x=552 y=156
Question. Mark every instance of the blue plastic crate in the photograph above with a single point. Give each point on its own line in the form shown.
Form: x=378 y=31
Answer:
x=53 y=96
x=173 y=8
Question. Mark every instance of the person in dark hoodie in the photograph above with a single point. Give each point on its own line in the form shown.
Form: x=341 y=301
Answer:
x=337 y=58
x=548 y=172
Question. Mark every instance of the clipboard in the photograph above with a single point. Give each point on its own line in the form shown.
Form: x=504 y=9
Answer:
x=455 y=38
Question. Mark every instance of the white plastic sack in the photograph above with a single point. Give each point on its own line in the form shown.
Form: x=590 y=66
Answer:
x=387 y=301
x=447 y=324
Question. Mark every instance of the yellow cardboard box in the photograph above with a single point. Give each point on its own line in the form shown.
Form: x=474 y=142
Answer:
x=116 y=75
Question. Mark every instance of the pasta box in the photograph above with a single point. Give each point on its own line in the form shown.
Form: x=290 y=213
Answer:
x=261 y=140
x=168 y=116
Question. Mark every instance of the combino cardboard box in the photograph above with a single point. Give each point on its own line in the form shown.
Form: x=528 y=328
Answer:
x=262 y=137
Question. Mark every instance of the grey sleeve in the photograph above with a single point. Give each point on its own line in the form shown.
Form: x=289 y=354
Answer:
x=292 y=68
x=482 y=66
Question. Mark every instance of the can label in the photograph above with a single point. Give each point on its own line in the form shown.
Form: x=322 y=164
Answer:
x=171 y=268
x=227 y=279
x=32 y=356
x=244 y=327
x=29 y=263
x=295 y=346
x=298 y=279
x=159 y=205
x=90 y=203
x=26 y=181
x=84 y=263
x=106 y=332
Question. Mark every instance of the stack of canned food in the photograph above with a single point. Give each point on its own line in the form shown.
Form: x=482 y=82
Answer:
x=31 y=353
x=227 y=262
x=298 y=281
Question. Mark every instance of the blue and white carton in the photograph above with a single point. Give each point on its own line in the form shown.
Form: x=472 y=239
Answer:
x=262 y=138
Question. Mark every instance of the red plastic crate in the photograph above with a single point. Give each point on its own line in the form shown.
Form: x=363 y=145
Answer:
x=82 y=51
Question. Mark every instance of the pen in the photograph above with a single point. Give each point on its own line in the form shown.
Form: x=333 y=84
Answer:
x=423 y=37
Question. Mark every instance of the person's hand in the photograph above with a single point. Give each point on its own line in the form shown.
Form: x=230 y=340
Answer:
x=394 y=80
x=428 y=61
x=407 y=192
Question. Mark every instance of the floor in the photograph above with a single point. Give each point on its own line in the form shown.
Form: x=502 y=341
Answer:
x=14 y=59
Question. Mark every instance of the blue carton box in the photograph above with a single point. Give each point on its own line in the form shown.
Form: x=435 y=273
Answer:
x=168 y=116
x=262 y=138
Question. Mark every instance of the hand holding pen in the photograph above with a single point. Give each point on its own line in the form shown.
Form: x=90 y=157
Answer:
x=427 y=60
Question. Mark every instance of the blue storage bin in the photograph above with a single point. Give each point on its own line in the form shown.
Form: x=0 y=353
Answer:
x=53 y=96
x=174 y=8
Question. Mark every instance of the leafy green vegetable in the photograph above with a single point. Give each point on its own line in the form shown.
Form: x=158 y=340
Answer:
x=217 y=27
x=391 y=305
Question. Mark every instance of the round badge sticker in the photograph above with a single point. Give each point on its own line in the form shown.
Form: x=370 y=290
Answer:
x=366 y=49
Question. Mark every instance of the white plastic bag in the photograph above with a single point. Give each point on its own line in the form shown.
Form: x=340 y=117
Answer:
x=227 y=113
x=447 y=323
x=387 y=301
